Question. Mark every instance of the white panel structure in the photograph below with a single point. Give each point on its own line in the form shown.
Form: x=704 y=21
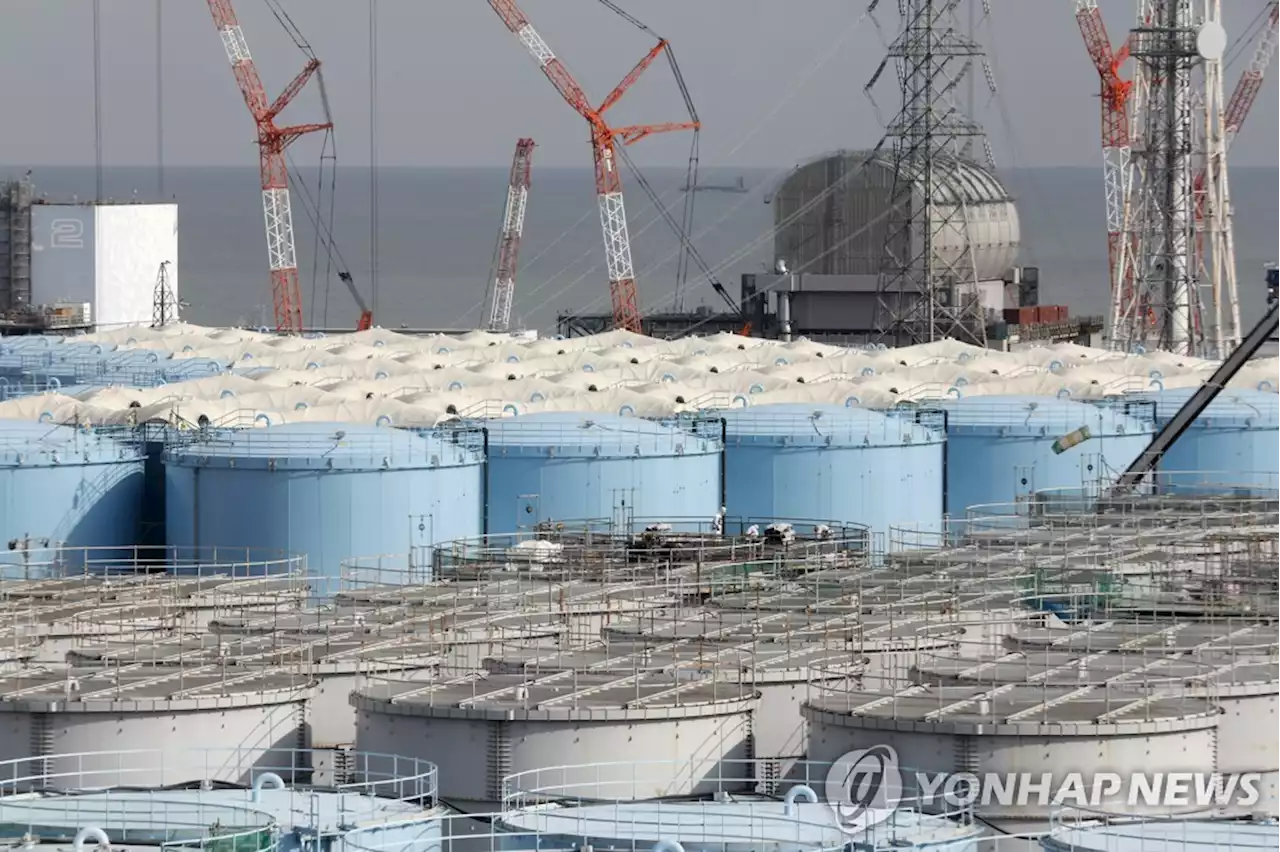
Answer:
x=132 y=241
x=107 y=255
x=63 y=254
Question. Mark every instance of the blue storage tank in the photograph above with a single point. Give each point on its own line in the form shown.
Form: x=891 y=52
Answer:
x=68 y=486
x=1235 y=441
x=1001 y=448
x=330 y=491
x=834 y=463
x=559 y=466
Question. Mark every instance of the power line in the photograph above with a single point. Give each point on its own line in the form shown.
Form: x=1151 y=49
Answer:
x=97 y=99
x=160 y=99
x=373 y=152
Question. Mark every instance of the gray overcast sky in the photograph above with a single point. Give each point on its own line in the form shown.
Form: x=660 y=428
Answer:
x=457 y=89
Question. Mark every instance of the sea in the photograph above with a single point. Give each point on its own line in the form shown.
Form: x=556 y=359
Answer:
x=426 y=260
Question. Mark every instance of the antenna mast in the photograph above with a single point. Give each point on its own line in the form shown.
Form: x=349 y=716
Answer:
x=928 y=289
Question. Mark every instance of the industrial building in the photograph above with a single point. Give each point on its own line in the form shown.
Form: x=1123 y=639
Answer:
x=832 y=222
x=82 y=265
x=833 y=216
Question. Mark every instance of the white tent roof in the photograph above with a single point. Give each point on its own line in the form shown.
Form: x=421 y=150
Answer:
x=385 y=376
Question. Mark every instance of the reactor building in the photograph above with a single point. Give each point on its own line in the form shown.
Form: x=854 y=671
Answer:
x=834 y=219
x=94 y=264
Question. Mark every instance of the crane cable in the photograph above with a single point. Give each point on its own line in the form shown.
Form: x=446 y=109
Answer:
x=688 y=251
x=373 y=156
x=801 y=80
x=1244 y=41
x=314 y=212
x=97 y=99
x=328 y=152
x=286 y=22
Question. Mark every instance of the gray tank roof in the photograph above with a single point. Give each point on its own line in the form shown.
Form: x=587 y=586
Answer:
x=568 y=434
x=1239 y=637
x=323 y=446
x=147 y=689
x=869 y=634
x=27 y=444
x=342 y=653
x=1209 y=674
x=1013 y=710
x=557 y=697
x=1164 y=835
x=748 y=663
x=730 y=826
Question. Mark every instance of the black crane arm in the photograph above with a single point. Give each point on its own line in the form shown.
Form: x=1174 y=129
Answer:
x=1198 y=402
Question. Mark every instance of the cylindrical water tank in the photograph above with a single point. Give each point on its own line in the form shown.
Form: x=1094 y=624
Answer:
x=64 y=486
x=554 y=466
x=1004 y=448
x=326 y=490
x=1234 y=442
x=483 y=729
x=832 y=462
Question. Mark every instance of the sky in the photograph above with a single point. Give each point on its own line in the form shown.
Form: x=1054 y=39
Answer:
x=774 y=81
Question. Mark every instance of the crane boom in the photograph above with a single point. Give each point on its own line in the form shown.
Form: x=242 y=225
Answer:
x=277 y=210
x=604 y=138
x=1117 y=157
x=1246 y=90
x=1195 y=406
x=504 y=283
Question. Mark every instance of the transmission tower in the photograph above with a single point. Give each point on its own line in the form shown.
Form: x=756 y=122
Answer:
x=928 y=287
x=164 y=304
x=1165 y=314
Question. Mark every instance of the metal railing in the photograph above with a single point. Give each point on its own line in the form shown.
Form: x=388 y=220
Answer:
x=374 y=776
x=139 y=561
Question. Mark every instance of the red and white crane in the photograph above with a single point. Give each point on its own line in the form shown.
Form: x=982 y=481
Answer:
x=504 y=282
x=1117 y=166
x=272 y=142
x=1246 y=90
x=613 y=218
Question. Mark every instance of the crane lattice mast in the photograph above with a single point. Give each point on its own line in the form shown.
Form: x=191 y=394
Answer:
x=604 y=138
x=272 y=142
x=1117 y=163
x=504 y=283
